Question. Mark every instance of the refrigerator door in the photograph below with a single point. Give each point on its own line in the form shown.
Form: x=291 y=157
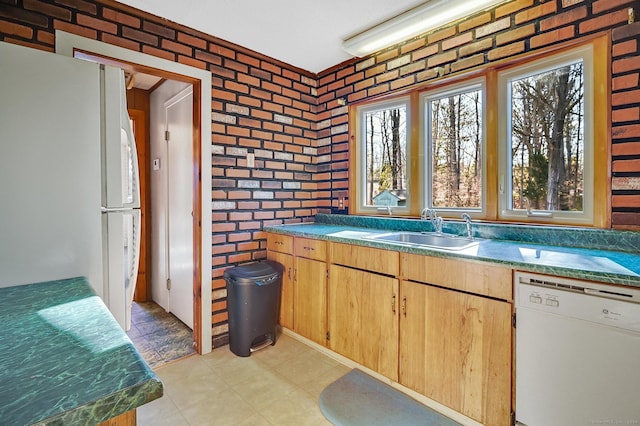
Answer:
x=121 y=236
x=49 y=168
x=121 y=185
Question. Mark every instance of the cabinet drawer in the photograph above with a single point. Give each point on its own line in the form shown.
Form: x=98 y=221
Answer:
x=280 y=243
x=366 y=258
x=311 y=249
x=474 y=277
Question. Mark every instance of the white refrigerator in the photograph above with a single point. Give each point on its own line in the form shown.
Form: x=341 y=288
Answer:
x=69 y=193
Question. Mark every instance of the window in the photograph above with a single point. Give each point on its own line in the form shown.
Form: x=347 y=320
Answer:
x=454 y=145
x=384 y=156
x=546 y=153
x=523 y=140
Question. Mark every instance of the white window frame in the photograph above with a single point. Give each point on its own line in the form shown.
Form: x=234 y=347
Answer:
x=425 y=98
x=404 y=101
x=586 y=217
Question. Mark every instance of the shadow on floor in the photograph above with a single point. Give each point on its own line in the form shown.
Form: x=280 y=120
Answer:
x=158 y=335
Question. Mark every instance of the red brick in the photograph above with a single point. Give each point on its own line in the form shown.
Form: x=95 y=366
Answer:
x=192 y=41
x=552 y=37
x=624 y=132
x=141 y=36
x=625 y=48
x=603 y=5
x=625 y=115
x=626 y=200
x=626 y=31
x=442 y=58
x=630 y=148
x=441 y=35
x=512 y=7
x=457 y=41
x=48 y=9
x=412 y=45
x=625 y=82
x=157 y=29
x=626 y=64
x=249 y=60
x=524 y=31
x=565 y=18
x=75 y=29
x=506 y=51
x=386 y=56
x=158 y=52
x=536 y=12
x=177 y=47
x=44 y=37
x=121 y=18
x=122 y=42
x=605 y=21
x=469 y=24
x=15 y=29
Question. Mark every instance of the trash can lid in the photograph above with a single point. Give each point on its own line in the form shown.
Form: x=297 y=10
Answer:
x=249 y=274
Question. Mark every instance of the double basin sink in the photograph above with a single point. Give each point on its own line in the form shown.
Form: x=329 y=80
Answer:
x=425 y=239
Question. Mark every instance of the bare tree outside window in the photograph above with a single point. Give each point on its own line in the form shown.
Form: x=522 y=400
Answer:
x=456 y=150
x=386 y=155
x=547 y=140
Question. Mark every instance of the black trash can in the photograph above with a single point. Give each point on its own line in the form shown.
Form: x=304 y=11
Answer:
x=253 y=303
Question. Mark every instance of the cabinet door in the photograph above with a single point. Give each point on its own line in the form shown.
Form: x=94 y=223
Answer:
x=456 y=349
x=286 y=298
x=363 y=319
x=310 y=312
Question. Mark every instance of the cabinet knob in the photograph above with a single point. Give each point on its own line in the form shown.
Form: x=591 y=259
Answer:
x=393 y=304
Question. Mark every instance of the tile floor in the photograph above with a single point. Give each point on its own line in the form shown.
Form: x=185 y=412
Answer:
x=279 y=385
x=158 y=335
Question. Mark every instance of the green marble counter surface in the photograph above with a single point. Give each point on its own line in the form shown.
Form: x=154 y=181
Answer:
x=64 y=360
x=621 y=266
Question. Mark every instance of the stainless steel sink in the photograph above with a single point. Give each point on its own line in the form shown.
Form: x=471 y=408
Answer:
x=442 y=241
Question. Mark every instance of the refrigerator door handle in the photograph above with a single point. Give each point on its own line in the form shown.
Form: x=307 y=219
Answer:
x=129 y=152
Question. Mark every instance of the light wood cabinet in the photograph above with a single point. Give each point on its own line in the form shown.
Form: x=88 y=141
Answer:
x=439 y=326
x=303 y=304
x=286 y=296
x=363 y=320
x=455 y=348
x=280 y=249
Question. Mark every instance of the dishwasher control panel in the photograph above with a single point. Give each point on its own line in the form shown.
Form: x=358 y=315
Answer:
x=598 y=303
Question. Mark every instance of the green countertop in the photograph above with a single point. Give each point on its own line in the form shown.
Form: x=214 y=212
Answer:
x=609 y=266
x=64 y=359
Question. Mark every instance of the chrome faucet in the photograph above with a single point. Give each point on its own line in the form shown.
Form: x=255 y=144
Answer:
x=436 y=221
x=467 y=219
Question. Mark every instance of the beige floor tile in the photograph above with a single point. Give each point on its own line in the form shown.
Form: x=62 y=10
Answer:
x=161 y=412
x=225 y=408
x=295 y=409
x=315 y=386
x=305 y=367
x=279 y=385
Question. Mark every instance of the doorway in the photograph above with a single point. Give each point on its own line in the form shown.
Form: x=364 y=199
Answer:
x=172 y=189
x=69 y=44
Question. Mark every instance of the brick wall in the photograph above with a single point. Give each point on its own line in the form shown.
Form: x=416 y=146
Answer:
x=514 y=28
x=296 y=124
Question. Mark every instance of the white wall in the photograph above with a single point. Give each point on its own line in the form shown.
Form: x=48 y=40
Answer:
x=158 y=183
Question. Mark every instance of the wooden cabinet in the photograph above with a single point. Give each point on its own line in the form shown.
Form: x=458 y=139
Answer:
x=439 y=326
x=455 y=348
x=280 y=249
x=303 y=305
x=363 y=320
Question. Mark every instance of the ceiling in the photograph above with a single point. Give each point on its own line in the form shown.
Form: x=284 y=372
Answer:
x=307 y=34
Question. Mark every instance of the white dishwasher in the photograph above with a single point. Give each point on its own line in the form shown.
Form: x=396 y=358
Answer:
x=577 y=352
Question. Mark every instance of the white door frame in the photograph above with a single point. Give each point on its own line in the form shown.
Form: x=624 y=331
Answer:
x=66 y=43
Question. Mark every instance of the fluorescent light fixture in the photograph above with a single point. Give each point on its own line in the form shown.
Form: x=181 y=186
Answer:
x=420 y=19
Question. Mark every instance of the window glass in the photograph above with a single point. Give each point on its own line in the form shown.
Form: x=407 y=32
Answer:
x=546 y=139
x=454 y=143
x=384 y=161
